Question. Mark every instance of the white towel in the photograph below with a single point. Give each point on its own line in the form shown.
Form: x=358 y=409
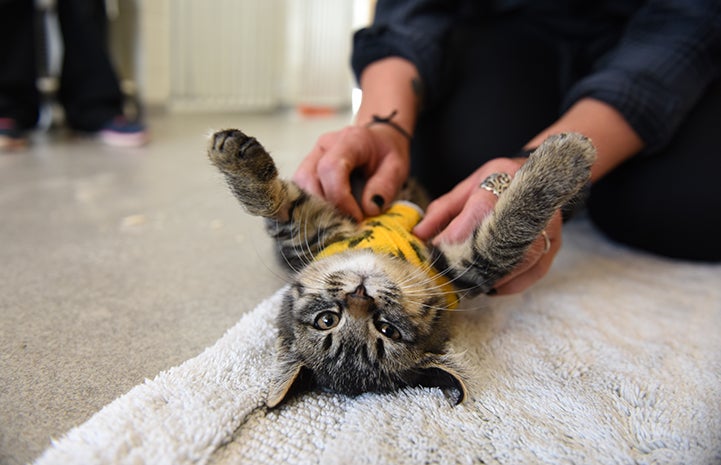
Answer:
x=613 y=358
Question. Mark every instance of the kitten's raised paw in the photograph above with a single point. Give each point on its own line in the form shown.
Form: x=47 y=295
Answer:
x=239 y=155
x=249 y=171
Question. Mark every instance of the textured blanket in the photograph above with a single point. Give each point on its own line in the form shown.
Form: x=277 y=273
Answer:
x=613 y=358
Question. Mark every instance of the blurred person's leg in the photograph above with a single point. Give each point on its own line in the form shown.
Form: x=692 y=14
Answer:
x=19 y=97
x=89 y=87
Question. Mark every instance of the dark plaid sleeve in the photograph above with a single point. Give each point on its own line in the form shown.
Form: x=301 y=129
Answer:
x=412 y=29
x=669 y=54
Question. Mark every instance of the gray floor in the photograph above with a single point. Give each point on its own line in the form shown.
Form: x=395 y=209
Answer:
x=117 y=264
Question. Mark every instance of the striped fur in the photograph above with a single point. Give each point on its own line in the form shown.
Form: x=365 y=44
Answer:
x=360 y=321
x=553 y=177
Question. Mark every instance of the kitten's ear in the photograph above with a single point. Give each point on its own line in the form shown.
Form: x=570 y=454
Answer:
x=290 y=376
x=441 y=372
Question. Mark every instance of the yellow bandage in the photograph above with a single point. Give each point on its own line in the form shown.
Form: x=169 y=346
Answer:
x=390 y=233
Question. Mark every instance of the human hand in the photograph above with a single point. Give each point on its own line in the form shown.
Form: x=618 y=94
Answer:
x=457 y=213
x=380 y=152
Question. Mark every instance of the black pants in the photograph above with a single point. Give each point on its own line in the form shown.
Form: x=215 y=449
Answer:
x=504 y=84
x=89 y=89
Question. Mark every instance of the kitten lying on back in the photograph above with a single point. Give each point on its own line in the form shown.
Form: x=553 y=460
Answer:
x=367 y=309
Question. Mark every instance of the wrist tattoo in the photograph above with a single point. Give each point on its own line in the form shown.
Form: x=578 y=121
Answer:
x=419 y=91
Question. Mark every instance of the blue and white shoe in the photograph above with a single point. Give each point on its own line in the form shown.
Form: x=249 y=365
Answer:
x=120 y=132
x=11 y=138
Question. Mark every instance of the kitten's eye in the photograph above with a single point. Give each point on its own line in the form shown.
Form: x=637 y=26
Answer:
x=326 y=320
x=388 y=330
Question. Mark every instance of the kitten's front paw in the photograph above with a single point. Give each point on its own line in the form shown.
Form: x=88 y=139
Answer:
x=239 y=155
x=249 y=171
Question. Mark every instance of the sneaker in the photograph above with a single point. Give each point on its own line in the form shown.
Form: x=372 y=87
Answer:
x=120 y=132
x=11 y=138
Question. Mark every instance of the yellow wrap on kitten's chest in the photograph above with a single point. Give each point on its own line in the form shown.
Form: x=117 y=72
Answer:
x=391 y=233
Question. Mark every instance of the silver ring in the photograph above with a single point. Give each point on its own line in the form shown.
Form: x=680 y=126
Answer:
x=496 y=183
x=547 y=247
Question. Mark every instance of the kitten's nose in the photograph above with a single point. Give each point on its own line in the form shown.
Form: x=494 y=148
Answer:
x=359 y=304
x=360 y=291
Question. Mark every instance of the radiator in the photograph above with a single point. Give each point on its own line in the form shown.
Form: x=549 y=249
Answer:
x=318 y=52
x=247 y=55
x=225 y=54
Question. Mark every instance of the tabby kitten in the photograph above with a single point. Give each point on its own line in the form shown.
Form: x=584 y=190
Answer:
x=368 y=318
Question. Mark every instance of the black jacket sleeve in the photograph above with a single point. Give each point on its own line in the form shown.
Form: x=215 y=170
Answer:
x=668 y=55
x=412 y=29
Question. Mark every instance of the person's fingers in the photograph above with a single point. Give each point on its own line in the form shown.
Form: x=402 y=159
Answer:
x=334 y=177
x=326 y=170
x=306 y=176
x=441 y=211
x=351 y=150
x=479 y=205
x=477 y=202
x=384 y=184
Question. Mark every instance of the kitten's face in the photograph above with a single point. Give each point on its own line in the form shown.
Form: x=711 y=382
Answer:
x=357 y=322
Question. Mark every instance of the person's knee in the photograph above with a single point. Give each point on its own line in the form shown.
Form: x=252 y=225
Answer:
x=657 y=224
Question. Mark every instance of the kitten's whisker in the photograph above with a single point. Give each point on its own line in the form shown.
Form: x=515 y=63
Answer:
x=458 y=275
x=428 y=268
x=311 y=255
x=298 y=246
x=459 y=290
x=442 y=308
x=305 y=246
x=462 y=292
x=281 y=252
x=432 y=276
x=295 y=230
x=282 y=276
x=322 y=236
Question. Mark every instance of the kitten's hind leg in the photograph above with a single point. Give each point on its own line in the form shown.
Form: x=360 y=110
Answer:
x=250 y=173
x=553 y=175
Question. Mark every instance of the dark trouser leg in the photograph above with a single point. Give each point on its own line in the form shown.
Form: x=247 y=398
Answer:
x=18 y=95
x=669 y=203
x=502 y=88
x=89 y=88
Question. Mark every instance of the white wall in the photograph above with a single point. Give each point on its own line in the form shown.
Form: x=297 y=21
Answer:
x=192 y=56
x=153 y=72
